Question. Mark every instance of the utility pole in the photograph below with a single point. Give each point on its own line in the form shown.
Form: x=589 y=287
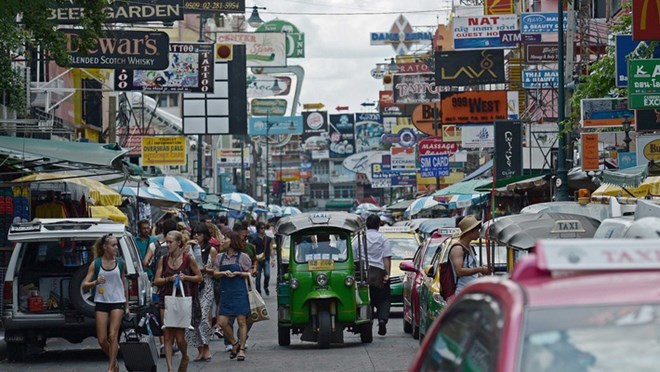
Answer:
x=562 y=192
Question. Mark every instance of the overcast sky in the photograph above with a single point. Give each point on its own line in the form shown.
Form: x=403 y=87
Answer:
x=338 y=55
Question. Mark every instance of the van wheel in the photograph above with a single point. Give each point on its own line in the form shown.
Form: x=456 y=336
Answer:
x=81 y=299
x=325 y=329
x=16 y=351
x=367 y=333
x=283 y=336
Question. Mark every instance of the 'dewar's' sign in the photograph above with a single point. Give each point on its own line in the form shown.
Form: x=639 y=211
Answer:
x=121 y=49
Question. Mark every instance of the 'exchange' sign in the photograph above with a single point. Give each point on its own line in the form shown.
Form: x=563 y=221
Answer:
x=643 y=84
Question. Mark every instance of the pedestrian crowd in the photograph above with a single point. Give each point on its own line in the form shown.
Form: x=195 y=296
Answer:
x=210 y=262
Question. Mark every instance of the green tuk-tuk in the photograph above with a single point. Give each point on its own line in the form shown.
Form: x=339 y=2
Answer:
x=322 y=278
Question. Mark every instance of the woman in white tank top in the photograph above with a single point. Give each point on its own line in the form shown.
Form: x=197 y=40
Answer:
x=107 y=276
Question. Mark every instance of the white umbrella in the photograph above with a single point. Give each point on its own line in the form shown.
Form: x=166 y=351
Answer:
x=180 y=185
x=238 y=200
x=290 y=211
x=367 y=207
x=419 y=205
x=153 y=192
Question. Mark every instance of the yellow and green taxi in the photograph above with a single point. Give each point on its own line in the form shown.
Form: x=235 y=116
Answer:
x=404 y=242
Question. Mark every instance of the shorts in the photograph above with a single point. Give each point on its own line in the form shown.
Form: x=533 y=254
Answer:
x=105 y=307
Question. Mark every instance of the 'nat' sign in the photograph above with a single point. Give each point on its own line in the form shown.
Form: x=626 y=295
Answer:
x=121 y=49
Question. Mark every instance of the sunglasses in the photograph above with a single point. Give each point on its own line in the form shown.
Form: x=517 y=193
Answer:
x=104 y=238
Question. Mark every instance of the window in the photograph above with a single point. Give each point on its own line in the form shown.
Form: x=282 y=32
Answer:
x=468 y=338
x=344 y=192
x=320 y=191
x=320 y=169
x=320 y=247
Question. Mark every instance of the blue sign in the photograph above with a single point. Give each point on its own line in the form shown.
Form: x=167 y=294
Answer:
x=434 y=165
x=404 y=180
x=261 y=126
x=624 y=45
x=627 y=159
x=541 y=23
x=540 y=79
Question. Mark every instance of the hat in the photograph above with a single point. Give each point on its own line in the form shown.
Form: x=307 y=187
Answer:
x=468 y=224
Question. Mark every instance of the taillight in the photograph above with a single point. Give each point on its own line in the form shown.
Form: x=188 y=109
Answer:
x=8 y=293
x=133 y=289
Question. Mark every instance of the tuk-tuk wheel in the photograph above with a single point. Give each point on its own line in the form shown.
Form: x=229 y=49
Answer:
x=283 y=336
x=325 y=329
x=367 y=333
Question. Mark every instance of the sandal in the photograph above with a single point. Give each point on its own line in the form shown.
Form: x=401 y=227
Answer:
x=241 y=357
x=235 y=348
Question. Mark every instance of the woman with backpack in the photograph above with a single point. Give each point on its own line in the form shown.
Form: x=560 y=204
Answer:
x=176 y=265
x=462 y=254
x=107 y=277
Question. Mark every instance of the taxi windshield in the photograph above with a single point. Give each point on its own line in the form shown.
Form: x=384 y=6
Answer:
x=403 y=249
x=592 y=338
x=320 y=247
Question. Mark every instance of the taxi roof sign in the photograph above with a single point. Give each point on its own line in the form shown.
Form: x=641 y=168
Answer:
x=395 y=229
x=319 y=218
x=598 y=254
x=448 y=230
x=567 y=226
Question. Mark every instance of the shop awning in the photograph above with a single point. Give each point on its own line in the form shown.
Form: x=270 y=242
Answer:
x=480 y=171
x=400 y=205
x=339 y=204
x=95 y=154
x=108 y=211
x=100 y=193
x=506 y=182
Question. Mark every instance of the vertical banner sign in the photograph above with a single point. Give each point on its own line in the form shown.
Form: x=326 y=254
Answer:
x=190 y=70
x=225 y=110
x=508 y=149
x=368 y=131
x=590 y=153
x=646 y=18
x=469 y=67
x=315 y=134
x=342 y=135
x=495 y=7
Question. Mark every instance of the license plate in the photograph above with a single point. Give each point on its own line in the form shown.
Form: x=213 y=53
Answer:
x=318 y=265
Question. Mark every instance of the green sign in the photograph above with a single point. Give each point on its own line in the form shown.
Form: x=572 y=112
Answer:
x=644 y=84
x=295 y=40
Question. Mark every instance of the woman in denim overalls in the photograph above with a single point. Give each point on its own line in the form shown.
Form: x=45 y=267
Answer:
x=233 y=268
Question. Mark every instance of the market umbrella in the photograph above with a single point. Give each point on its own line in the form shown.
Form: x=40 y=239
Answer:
x=100 y=193
x=275 y=210
x=419 y=205
x=367 y=207
x=238 y=200
x=290 y=211
x=180 y=185
x=152 y=192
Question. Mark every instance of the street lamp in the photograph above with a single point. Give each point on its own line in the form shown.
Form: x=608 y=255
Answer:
x=626 y=130
x=254 y=20
x=393 y=68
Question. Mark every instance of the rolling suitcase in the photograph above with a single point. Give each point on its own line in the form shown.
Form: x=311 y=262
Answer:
x=139 y=352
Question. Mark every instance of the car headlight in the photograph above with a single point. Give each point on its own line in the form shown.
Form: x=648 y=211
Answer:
x=349 y=281
x=294 y=283
x=322 y=280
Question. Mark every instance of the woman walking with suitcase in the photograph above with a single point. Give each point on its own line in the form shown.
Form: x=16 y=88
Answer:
x=178 y=265
x=107 y=275
x=233 y=268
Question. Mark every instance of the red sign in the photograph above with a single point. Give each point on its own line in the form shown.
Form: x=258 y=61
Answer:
x=413 y=68
x=434 y=146
x=646 y=17
x=496 y=7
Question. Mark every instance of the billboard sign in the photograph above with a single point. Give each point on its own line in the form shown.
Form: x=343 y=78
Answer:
x=508 y=149
x=263 y=49
x=643 y=88
x=368 y=131
x=295 y=40
x=434 y=165
x=541 y=23
x=540 y=79
x=626 y=48
x=645 y=20
x=605 y=112
x=315 y=134
x=415 y=88
x=342 y=135
x=478 y=136
x=469 y=67
x=161 y=150
x=435 y=146
x=120 y=49
x=478 y=107
x=70 y=13
x=190 y=70
x=648 y=149
x=275 y=125
x=482 y=32
x=232 y=158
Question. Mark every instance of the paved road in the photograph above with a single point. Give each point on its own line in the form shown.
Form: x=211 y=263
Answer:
x=392 y=352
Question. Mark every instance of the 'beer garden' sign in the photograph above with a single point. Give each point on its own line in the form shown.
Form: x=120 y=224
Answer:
x=644 y=83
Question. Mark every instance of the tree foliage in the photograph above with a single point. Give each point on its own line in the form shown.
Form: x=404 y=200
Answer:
x=24 y=26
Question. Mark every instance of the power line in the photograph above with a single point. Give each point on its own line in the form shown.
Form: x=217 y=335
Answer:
x=358 y=14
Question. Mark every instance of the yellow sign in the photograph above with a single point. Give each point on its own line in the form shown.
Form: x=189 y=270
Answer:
x=321 y=265
x=313 y=106
x=163 y=151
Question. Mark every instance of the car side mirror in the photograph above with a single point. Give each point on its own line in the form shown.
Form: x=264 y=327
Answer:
x=286 y=277
x=430 y=271
x=408 y=266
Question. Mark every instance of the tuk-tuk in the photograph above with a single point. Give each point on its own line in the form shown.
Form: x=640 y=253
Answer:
x=322 y=284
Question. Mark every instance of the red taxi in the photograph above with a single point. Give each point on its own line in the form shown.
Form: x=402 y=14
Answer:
x=573 y=305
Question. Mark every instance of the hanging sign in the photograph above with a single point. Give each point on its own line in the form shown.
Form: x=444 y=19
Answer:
x=508 y=149
x=590 y=152
x=645 y=20
x=469 y=67
x=478 y=106
x=69 y=12
x=540 y=79
x=417 y=88
x=482 y=32
x=164 y=150
x=643 y=83
x=542 y=52
x=541 y=23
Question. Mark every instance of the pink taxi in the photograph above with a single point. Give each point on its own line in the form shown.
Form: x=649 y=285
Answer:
x=573 y=305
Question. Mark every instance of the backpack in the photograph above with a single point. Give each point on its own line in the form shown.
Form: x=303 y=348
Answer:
x=97 y=270
x=161 y=250
x=447 y=278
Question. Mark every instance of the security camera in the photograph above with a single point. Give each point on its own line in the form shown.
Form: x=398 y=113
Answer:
x=193 y=145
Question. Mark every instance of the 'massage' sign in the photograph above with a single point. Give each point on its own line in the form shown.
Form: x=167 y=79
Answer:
x=122 y=11
x=121 y=49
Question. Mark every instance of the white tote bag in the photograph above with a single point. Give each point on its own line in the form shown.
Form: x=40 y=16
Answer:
x=178 y=310
x=258 y=310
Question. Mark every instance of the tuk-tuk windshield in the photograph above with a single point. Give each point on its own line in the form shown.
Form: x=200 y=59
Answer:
x=319 y=247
